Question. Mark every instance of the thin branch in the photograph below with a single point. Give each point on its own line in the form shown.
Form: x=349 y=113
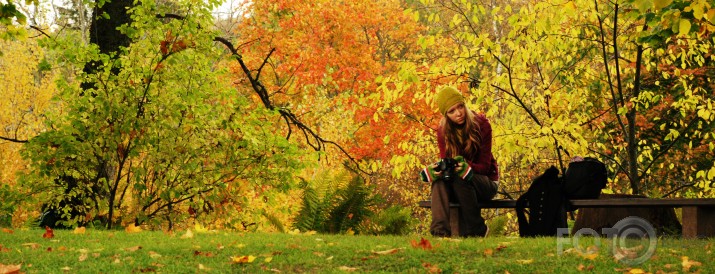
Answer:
x=13 y=140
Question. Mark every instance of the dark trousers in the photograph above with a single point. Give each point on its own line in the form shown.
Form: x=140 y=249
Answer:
x=467 y=194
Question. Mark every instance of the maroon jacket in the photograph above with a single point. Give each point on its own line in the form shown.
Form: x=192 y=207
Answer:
x=483 y=163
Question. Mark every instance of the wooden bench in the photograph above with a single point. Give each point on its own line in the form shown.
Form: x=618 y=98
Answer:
x=698 y=216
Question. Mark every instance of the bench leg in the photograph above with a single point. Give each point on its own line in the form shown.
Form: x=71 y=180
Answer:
x=454 y=221
x=698 y=222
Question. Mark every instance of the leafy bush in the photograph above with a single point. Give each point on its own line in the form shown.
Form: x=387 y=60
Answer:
x=394 y=220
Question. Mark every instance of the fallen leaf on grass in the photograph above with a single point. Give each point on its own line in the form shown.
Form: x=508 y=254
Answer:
x=66 y=269
x=348 y=269
x=202 y=267
x=48 y=233
x=582 y=267
x=687 y=263
x=636 y=271
x=154 y=255
x=268 y=259
x=10 y=269
x=188 y=234
x=589 y=256
x=431 y=268
x=525 y=261
x=8 y=231
x=205 y=254
x=4 y=249
x=242 y=259
x=32 y=245
x=488 y=252
x=131 y=228
x=133 y=248
x=423 y=244
x=83 y=257
x=79 y=230
x=385 y=252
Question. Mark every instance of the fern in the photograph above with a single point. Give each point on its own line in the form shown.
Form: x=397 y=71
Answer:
x=310 y=212
x=273 y=220
x=352 y=206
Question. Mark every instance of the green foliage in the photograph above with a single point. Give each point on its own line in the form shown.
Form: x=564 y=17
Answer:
x=159 y=130
x=352 y=205
x=274 y=221
x=10 y=200
x=337 y=207
x=394 y=220
x=498 y=225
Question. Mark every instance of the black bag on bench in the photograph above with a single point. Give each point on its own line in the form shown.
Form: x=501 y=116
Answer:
x=585 y=179
x=541 y=210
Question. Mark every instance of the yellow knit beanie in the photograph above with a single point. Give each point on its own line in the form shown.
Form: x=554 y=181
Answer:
x=447 y=97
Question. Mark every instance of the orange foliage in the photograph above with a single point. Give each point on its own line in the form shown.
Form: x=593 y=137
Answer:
x=332 y=52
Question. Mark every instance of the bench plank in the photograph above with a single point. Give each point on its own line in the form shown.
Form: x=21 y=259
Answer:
x=698 y=218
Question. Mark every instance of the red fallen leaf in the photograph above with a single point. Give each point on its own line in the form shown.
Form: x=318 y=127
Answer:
x=423 y=244
x=206 y=254
x=4 y=249
x=500 y=247
x=8 y=231
x=48 y=233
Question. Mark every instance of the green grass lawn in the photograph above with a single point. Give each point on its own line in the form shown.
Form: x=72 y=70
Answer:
x=99 y=251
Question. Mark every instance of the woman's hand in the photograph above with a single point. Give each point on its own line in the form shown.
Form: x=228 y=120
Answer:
x=430 y=174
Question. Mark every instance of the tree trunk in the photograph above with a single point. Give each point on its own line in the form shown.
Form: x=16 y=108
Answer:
x=104 y=33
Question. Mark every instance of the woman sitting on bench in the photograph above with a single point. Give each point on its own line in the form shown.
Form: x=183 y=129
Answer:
x=464 y=138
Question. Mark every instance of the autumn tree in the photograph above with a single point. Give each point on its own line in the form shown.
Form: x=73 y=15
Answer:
x=152 y=134
x=334 y=64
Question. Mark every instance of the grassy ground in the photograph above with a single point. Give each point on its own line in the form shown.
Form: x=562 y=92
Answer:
x=98 y=251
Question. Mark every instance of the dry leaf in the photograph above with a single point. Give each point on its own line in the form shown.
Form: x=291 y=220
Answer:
x=32 y=245
x=636 y=271
x=431 y=268
x=488 y=252
x=590 y=256
x=423 y=244
x=7 y=230
x=200 y=229
x=10 y=269
x=79 y=230
x=48 y=233
x=66 y=269
x=582 y=267
x=525 y=261
x=4 y=249
x=500 y=247
x=687 y=263
x=131 y=228
x=188 y=234
x=385 y=252
x=133 y=248
x=242 y=259
x=268 y=259
x=348 y=269
x=82 y=257
x=154 y=255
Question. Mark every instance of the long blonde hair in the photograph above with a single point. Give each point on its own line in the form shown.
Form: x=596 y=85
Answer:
x=462 y=140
